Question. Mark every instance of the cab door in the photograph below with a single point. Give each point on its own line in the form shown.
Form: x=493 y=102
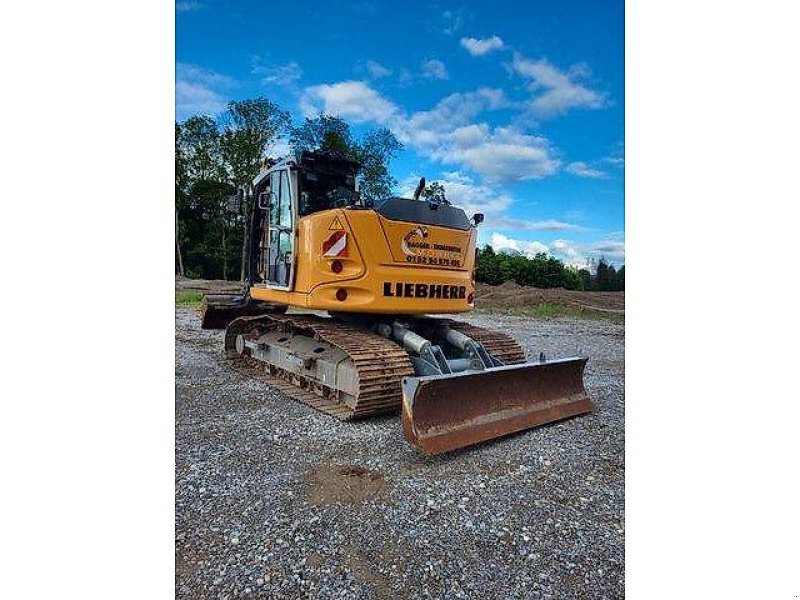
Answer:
x=280 y=230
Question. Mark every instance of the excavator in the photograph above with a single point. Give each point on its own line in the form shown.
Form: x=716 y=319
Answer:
x=373 y=287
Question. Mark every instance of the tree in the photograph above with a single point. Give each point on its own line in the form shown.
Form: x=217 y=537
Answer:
x=435 y=193
x=586 y=279
x=573 y=280
x=604 y=276
x=487 y=269
x=250 y=128
x=208 y=226
x=198 y=162
x=374 y=152
x=199 y=141
x=544 y=271
x=324 y=132
x=181 y=182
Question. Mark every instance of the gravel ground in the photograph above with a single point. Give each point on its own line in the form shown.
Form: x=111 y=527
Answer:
x=275 y=500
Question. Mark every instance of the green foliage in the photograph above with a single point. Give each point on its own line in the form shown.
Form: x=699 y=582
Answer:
x=573 y=280
x=324 y=132
x=216 y=158
x=375 y=151
x=208 y=231
x=212 y=160
x=435 y=192
x=250 y=127
x=607 y=279
x=199 y=140
x=544 y=271
x=188 y=298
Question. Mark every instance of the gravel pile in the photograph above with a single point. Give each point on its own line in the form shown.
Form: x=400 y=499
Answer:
x=275 y=500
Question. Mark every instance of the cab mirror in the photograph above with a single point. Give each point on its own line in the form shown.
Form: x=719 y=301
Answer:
x=477 y=218
x=266 y=200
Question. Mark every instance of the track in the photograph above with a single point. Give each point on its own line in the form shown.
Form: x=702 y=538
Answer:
x=381 y=363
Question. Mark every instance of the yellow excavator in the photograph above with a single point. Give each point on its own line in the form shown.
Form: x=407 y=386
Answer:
x=367 y=277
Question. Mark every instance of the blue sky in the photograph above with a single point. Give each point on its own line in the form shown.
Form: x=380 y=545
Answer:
x=516 y=107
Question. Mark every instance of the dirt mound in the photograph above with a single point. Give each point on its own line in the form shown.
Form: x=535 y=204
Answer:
x=512 y=295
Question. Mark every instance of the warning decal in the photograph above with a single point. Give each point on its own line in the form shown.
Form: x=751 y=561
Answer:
x=336 y=244
x=336 y=225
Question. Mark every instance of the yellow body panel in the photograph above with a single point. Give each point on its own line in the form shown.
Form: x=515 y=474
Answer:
x=388 y=267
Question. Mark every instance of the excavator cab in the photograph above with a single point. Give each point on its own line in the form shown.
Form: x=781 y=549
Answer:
x=282 y=193
x=276 y=245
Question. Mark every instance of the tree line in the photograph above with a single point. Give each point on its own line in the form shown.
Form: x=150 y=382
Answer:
x=217 y=158
x=545 y=271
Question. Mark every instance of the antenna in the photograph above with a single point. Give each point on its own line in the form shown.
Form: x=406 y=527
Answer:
x=419 y=189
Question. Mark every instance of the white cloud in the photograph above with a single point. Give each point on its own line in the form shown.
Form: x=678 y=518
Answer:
x=283 y=75
x=187 y=6
x=617 y=157
x=530 y=248
x=405 y=76
x=426 y=128
x=613 y=250
x=453 y=21
x=500 y=155
x=434 y=69
x=353 y=100
x=556 y=92
x=570 y=254
x=445 y=133
x=581 y=169
x=464 y=192
x=582 y=256
x=526 y=225
x=197 y=91
x=479 y=47
x=376 y=70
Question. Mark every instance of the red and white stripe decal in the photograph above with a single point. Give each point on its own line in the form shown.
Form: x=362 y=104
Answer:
x=336 y=244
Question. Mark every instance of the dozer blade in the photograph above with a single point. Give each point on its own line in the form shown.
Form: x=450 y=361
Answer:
x=445 y=412
x=217 y=310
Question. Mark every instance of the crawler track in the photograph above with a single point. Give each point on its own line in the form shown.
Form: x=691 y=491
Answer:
x=380 y=362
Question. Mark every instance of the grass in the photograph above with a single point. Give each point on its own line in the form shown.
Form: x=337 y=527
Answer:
x=554 y=310
x=188 y=299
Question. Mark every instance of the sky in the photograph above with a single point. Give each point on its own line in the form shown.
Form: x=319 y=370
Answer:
x=516 y=107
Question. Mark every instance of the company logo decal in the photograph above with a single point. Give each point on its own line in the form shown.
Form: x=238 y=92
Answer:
x=418 y=249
